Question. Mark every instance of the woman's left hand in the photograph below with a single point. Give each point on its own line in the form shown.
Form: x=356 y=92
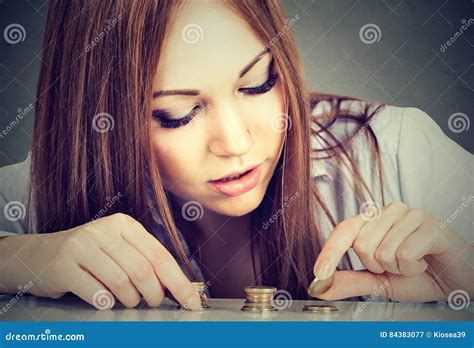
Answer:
x=408 y=254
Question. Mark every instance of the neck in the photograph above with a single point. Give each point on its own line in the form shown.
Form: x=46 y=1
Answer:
x=198 y=231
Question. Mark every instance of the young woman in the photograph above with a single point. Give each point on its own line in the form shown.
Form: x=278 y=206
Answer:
x=176 y=141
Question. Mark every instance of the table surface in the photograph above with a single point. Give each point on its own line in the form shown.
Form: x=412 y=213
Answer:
x=30 y=308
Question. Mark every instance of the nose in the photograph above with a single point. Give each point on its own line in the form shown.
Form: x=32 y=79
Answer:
x=229 y=133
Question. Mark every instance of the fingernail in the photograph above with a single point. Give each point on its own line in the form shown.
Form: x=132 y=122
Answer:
x=195 y=301
x=323 y=271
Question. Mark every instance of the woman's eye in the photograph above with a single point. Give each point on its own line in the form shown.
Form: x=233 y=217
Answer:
x=167 y=121
x=266 y=86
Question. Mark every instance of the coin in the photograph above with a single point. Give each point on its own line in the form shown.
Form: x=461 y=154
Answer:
x=201 y=288
x=319 y=308
x=260 y=289
x=320 y=286
x=259 y=299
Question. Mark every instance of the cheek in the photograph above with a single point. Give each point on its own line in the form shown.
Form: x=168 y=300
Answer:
x=177 y=156
x=271 y=119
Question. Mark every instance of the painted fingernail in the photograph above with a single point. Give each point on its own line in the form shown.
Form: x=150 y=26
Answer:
x=323 y=271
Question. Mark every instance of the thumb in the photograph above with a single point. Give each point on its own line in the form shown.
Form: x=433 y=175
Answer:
x=357 y=283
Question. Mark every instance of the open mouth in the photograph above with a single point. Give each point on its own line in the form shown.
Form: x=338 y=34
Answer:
x=237 y=184
x=230 y=178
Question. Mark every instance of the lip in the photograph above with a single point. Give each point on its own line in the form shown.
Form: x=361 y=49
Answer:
x=238 y=186
x=237 y=172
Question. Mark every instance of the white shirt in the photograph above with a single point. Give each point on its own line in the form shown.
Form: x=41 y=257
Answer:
x=421 y=167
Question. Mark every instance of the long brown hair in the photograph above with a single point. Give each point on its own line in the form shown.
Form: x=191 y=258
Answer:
x=91 y=69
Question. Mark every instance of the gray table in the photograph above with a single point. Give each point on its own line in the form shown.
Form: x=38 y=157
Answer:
x=29 y=308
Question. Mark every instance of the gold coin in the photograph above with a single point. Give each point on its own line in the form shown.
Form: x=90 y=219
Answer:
x=319 y=308
x=260 y=289
x=257 y=305
x=257 y=309
x=320 y=286
x=201 y=308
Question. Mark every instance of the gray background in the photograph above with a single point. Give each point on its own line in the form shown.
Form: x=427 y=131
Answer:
x=405 y=67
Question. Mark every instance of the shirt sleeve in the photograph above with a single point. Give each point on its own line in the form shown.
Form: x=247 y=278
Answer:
x=14 y=181
x=435 y=173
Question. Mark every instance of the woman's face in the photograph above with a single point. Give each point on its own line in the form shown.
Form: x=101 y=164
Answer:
x=235 y=110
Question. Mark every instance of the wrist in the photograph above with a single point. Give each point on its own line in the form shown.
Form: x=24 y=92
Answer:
x=15 y=258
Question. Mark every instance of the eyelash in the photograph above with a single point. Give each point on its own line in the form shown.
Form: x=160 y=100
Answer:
x=164 y=117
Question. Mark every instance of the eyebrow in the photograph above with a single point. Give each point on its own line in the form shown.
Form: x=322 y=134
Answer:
x=194 y=92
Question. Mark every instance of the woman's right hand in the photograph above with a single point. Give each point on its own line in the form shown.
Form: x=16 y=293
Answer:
x=111 y=254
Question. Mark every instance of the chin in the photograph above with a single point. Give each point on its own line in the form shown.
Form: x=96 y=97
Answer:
x=239 y=205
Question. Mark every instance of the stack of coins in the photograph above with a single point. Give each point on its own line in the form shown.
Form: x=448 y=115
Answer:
x=201 y=287
x=319 y=308
x=259 y=299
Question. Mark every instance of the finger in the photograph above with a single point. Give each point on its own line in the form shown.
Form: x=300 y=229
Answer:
x=90 y=289
x=364 y=283
x=404 y=227
x=356 y=283
x=165 y=266
x=424 y=241
x=108 y=272
x=139 y=270
x=372 y=234
x=338 y=242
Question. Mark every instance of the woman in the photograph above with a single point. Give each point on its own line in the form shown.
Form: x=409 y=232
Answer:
x=146 y=114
